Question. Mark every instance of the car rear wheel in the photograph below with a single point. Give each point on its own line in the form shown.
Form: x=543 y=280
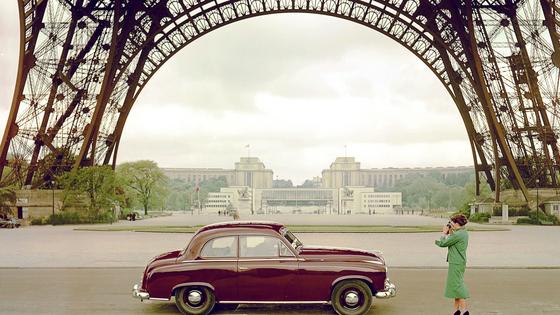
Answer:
x=351 y=297
x=194 y=300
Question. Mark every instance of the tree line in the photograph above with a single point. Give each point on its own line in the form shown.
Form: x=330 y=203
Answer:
x=134 y=185
x=438 y=191
x=95 y=192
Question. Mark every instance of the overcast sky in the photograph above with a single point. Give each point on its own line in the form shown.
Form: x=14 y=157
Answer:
x=296 y=87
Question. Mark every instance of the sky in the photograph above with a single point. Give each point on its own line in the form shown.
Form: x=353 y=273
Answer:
x=300 y=89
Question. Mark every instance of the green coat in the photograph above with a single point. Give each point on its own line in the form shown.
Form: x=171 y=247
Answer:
x=456 y=244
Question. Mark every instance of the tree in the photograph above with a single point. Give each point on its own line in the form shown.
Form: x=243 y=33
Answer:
x=146 y=181
x=433 y=190
x=308 y=183
x=95 y=185
x=180 y=194
x=211 y=185
x=282 y=183
x=7 y=200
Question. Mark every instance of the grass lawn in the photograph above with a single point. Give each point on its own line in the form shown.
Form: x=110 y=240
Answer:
x=297 y=229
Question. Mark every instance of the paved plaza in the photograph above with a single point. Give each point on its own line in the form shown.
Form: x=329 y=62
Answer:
x=64 y=271
x=62 y=246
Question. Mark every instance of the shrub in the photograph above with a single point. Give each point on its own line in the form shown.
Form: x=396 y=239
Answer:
x=539 y=218
x=70 y=217
x=524 y=221
x=480 y=217
x=103 y=217
x=65 y=217
x=37 y=221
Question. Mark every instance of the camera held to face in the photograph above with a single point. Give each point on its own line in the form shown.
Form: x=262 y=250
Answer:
x=449 y=226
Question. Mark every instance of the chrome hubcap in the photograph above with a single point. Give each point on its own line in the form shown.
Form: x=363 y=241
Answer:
x=352 y=299
x=194 y=297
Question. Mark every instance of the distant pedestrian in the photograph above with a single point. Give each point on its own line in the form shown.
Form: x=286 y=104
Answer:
x=456 y=239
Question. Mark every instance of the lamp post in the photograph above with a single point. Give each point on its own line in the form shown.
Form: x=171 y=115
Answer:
x=52 y=186
x=537 y=184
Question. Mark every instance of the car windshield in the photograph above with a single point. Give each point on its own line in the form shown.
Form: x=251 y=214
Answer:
x=292 y=239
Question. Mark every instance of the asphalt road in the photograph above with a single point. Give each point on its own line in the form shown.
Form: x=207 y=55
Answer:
x=107 y=291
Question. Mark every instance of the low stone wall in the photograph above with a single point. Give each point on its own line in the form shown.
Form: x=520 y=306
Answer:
x=37 y=203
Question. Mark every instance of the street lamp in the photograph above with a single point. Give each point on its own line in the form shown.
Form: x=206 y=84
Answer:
x=537 y=184
x=52 y=186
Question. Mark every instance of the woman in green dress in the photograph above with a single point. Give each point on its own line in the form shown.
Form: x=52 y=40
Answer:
x=456 y=239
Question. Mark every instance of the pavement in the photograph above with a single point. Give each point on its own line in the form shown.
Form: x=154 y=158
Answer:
x=62 y=246
x=108 y=291
x=57 y=270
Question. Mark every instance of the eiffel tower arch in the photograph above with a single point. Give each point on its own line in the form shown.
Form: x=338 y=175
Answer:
x=83 y=63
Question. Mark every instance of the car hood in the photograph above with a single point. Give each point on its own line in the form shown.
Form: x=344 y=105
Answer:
x=311 y=250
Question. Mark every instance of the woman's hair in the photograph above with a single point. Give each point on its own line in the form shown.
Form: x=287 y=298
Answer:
x=460 y=219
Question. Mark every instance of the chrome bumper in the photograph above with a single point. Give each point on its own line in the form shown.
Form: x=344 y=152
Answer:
x=139 y=294
x=389 y=291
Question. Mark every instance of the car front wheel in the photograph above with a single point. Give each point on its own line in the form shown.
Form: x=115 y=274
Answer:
x=195 y=300
x=351 y=297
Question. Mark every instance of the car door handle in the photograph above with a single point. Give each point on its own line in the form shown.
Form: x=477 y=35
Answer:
x=243 y=268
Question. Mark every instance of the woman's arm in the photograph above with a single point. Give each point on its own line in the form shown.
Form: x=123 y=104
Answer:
x=448 y=241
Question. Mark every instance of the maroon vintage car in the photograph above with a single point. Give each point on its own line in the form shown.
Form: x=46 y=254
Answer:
x=262 y=262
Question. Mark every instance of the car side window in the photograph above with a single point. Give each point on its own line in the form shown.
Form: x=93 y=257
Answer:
x=284 y=251
x=220 y=247
x=258 y=246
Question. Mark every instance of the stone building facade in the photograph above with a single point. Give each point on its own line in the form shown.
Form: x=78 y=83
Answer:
x=346 y=171
x=249 y=171
x=345 y=200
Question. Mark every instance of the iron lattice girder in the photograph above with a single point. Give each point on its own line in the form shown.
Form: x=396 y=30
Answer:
x=84 y=63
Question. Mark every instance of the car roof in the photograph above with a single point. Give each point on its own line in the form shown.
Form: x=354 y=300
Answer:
x=242 y=224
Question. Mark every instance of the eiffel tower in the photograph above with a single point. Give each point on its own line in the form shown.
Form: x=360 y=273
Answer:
x=83 y=64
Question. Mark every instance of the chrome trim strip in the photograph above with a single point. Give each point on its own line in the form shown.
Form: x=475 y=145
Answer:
x=209 y=260
x=273 y=302
x=242 y=260
x=373 y=262
x=160 y=299
x=267 y=259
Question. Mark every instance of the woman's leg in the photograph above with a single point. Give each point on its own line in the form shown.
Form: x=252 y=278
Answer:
x=463 y=304
x=456 y=304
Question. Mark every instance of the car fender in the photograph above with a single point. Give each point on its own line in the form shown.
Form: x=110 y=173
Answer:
x=367 y=280
x=193 y=284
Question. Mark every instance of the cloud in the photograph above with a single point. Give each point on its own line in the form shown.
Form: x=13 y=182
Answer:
x=265 y=54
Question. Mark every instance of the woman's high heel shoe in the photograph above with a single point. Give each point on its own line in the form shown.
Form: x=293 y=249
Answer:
x=458 y=312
